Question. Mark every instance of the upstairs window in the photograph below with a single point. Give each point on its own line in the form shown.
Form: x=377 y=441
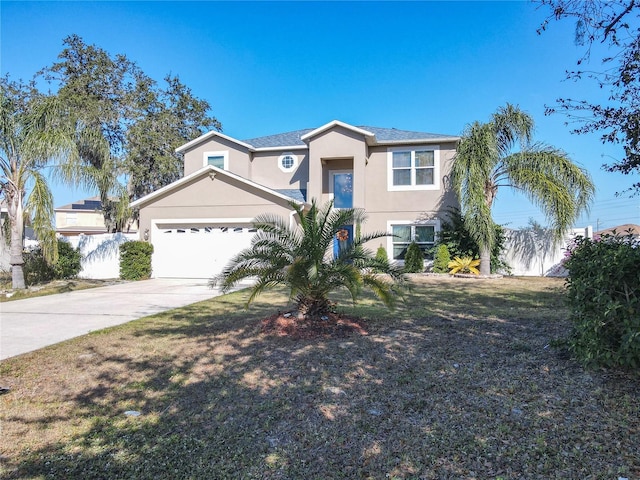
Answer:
x=287 y=162
x=413 y=169
x=216 y=159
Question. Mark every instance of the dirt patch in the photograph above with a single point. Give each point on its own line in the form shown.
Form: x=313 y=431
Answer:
x=331 y=325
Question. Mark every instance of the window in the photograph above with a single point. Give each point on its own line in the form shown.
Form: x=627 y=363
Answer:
x=287 y=162
x=216 y=159
x=341 y=188
x=413 y=169
x=403 y=235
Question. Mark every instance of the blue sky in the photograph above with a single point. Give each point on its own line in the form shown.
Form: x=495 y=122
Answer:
x=273 y=67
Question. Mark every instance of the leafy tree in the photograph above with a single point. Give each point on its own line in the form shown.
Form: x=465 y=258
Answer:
x=172 y=117
x=34 y=130
x=301 y=258
x=485 y=161
x=127 y=127
x=614 y=24
x=457 y=238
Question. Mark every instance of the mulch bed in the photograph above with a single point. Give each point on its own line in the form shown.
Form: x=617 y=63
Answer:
x=288 y=324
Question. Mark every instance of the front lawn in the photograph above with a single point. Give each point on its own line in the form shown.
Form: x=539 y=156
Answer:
x=462 y=381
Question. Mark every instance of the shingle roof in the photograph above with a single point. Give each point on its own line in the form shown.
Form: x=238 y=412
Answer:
x=299 y=195
x=287 y=139
x=383 y=135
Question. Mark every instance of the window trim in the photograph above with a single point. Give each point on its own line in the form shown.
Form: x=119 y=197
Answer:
x=220 y=153
x=417 y=223
x=282 y=157
x=413 y=149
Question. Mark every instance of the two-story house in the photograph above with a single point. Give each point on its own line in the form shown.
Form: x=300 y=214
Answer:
x=199 y=222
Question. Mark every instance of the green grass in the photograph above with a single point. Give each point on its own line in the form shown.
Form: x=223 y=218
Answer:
x=459 y=382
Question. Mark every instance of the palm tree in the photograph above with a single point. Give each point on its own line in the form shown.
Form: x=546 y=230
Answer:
x=486 y=160
x=33 y=131
x=302 y=258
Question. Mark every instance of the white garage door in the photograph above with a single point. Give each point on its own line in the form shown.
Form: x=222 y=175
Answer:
x=196 y=251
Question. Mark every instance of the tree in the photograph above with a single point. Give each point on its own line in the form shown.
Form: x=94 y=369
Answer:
x=485 y=161
x=614 y=24
x=172 y=117
x=455 y=235
x=302 y=259
x=34 y=130
x=128 y=127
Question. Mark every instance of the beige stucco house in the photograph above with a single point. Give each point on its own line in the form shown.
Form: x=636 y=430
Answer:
x=83 y=217
x=199 y=222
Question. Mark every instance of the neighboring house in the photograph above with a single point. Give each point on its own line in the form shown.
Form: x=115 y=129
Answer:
x=82 y=217
x=622 y=230
x=199 y=222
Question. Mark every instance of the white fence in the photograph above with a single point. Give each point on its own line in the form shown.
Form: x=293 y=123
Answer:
x=531 y=252
x=100 y=253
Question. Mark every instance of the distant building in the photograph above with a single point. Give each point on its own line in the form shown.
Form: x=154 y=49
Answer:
x=82 y=217
x=626 y=229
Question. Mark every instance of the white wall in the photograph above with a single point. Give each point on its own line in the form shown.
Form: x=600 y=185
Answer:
x=530 y=255
x=100 y=253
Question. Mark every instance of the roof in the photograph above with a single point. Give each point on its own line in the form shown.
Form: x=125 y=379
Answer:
x=627 y=228
x=297 y=138
x=92 y=203
x=291 y=195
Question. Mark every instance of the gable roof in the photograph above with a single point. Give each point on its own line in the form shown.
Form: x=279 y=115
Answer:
x=290 y=195
x=298 y=138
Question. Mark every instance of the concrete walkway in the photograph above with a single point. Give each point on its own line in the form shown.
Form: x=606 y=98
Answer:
x=33 y=323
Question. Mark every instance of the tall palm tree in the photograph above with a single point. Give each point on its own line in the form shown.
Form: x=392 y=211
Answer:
x=486 y=160
x=302 y=258
x=33 y=132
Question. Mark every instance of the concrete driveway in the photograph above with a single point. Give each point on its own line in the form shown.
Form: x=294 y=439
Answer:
x=33 y=323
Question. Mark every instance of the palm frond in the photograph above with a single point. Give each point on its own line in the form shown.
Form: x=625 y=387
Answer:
x=40 y=204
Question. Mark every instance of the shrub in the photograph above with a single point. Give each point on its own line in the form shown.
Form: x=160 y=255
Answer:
x=464 y=265
x=414 y=259
x=381 y=254
x=455 y=235
x=441 y=259
x=69 y=261
x=603 y=293
x=135 y=260
x=37 y=270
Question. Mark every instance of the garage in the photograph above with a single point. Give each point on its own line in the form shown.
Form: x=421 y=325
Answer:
x=196 y=250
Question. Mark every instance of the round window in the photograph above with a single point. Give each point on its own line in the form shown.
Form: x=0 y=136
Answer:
x=287 y=162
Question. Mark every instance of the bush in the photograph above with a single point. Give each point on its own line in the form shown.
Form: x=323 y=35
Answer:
x=135 y=260
x=456 y=237
x=441 y=259
x=603 y=292
x=414 y=259
x=381 y=254
x=69 y=261
x=37 y=270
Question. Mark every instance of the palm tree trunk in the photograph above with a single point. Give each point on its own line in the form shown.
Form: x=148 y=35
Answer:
x=485 y=260
x=16 y=259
